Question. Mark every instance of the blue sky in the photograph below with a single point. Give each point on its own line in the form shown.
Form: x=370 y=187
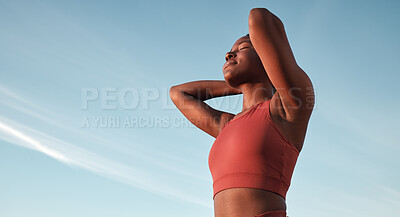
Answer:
x=61 y=158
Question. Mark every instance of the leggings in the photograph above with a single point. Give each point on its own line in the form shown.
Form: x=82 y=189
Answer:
x=274 y=213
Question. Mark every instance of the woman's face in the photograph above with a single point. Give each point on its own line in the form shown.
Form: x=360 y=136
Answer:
x=242 y=63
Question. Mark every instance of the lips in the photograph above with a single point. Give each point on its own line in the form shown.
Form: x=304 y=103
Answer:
x=228 y=63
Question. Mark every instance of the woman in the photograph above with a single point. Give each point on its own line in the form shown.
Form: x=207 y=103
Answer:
x=255 y=151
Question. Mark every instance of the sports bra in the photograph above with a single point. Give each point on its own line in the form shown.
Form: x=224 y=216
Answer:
x=251 y=152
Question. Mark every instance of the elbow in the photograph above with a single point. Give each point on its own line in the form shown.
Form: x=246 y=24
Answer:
x=257 y=15
x=262 y=16
x=256 y=11
x=176 y=92
x=172 y=92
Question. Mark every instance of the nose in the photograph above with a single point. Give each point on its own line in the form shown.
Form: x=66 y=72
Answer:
x=229 y=55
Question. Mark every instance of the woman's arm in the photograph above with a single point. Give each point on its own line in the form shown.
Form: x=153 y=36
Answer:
x=294 y=88
x=188 y=98
x=206 y=89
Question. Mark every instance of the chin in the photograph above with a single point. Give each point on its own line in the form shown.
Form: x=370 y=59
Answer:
x=228 y=76
x=231 y=81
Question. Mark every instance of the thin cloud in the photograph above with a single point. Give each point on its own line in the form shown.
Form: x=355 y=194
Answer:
x=75 y=156
x=34 y=144
x=19 y=103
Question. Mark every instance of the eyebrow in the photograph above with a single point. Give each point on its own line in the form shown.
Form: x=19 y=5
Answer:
x=241 y=43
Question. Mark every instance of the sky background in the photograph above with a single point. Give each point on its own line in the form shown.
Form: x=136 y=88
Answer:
x=72 y=71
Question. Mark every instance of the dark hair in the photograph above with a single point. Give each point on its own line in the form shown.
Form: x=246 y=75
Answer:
x=247 y=35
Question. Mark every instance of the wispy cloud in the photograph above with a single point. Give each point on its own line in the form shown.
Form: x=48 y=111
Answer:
x=75 y=156
x=21 y=104
x=32 y=143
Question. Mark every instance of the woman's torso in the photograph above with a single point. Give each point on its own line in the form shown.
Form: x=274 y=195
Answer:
x=248 y=202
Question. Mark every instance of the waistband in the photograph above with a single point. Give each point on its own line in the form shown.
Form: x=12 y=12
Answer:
x=250 y=180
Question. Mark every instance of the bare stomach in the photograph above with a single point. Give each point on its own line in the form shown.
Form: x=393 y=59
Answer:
x=246 y=202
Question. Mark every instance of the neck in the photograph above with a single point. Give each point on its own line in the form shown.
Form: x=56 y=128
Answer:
x=254 y=93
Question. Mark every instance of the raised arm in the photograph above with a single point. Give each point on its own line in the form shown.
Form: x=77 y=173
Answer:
x=294 y=88
x=188 y=98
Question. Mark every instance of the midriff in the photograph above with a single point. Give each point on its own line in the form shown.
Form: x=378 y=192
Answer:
x=246 y=202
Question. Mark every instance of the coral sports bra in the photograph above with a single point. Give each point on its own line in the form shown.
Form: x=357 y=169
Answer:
x=251 y=152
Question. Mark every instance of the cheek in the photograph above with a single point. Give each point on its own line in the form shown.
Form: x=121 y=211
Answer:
x=251 y=60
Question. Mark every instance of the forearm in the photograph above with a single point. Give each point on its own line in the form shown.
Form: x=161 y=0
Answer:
x=206 y=89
